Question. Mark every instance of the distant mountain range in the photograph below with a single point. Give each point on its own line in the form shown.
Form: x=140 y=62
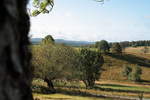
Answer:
x=67 y=42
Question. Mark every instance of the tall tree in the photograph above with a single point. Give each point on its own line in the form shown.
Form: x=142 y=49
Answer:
x=15 y=68
x=90 y=66
x=53 y=62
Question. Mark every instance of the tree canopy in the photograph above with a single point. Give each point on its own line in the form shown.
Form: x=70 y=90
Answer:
x=103 y=46
x=48 y=40
x=53 y=61
x=90 y=66
x=116 y=48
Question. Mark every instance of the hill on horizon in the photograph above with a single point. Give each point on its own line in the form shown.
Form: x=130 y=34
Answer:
x=63 y=41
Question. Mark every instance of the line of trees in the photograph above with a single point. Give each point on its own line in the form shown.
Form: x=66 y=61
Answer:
x=133 y=43
x=117 y=47
x=123 y=44
x=104 y=47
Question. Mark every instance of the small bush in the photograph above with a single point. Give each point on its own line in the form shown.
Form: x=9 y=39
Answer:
x=126 y=70
x=133 y=74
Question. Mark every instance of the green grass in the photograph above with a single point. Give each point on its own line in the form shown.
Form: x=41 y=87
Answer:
x=105 y=86
x=64 y=97
x=76 y=91
x=123 y=87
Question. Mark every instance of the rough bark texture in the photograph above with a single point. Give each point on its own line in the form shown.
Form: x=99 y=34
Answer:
x=15 y=77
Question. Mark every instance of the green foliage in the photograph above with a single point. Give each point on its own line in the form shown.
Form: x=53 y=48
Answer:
x=90 y=66
x=116 y=48
x=103 y=46
x=48 y=40
x=35 y=13
x=53 y=61
x=133 y=74
x=126 y=71
x=140 y=43
x=45 y=6
x=42 y=6
x=136 y=74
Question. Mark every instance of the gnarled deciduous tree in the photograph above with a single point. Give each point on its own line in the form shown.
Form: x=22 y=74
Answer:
x=90 y=63
x=53 y=61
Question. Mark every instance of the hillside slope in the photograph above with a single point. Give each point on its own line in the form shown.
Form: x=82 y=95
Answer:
x=112 y=69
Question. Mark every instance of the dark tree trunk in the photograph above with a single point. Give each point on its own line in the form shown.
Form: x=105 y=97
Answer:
x=89 y=83
x=15 y=69
x=86 y=84
x=50 y=85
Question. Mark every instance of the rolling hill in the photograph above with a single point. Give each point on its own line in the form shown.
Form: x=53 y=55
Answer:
x=132 y=56
x=67 y=42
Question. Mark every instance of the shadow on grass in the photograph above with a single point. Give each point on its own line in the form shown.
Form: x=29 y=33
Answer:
x=49 y=98
x=145 y=82
x=75 y=91
x=131 y=59
x=86 y=94
x=118 y=90
x=42 y=89
x=109 y=89
x=113 y=85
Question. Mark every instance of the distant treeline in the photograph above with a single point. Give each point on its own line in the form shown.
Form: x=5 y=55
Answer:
x=125 y=44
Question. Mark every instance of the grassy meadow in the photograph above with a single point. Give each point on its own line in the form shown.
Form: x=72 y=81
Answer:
x=111 y=85
x=103 y=90
x=65 y=97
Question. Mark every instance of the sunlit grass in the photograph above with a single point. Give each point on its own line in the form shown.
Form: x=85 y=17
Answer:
x=123 y=87
x=77 y=91
x=64 y=97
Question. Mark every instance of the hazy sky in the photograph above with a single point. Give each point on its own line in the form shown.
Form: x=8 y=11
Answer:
x=87 y=20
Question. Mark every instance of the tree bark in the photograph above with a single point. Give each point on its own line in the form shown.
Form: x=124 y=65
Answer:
x=15 y=68
x=89 y=83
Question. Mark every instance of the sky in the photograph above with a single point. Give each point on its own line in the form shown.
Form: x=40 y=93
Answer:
x=87 y=20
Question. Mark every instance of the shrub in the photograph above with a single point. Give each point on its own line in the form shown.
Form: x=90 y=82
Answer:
x=133 y=74
x=126 y=70
x=116 y=48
